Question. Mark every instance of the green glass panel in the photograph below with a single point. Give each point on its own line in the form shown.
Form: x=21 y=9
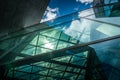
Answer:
x=115 y=13
x=76 y=70
x=64 y=37
x=42 y=50
x=36 y=69
x=73 y=77
x=44 y=72
x=73 y=40
x=18 y=58
x=21 y=67
x=80 y=62
x=43 y=40
x=62 y=44
x=25 y=69
x=81 y=77
x=57 y=74
x=34 y=41
x=5 y=45
x=25 y=77
x=50 y=78
x=18 y=74
x=29 y=47
x=81 y=55
x=43 y=64
x=54 y=72
x=10 y=73
x=35 y=77
x=70 y=69
x=30 y=51
x=49 y=45
x=63 y=59
x=58 y=67
x=51 y=33
x=68 y=75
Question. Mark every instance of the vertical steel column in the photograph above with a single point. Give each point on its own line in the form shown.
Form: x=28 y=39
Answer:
x=89 y=64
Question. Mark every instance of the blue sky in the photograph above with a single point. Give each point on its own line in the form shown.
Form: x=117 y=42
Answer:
x=67 y=6
x=74 y=27
x=57 y=8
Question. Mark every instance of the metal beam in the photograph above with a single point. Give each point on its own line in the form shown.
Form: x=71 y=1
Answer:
x=26 y=31
x=44 y=57
x=58 y=53
x=57 y=62
x=43 y=26
x=101 y=22
x=11 y=53
x=89 y=65
x=66 y=64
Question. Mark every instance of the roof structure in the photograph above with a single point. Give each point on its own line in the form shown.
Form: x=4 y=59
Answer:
x=71 y=47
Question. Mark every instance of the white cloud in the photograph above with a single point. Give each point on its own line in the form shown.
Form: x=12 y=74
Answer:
x=50 y=14
x=89 y=13
x=74 y=29
x=85 y=1
x=77 y=26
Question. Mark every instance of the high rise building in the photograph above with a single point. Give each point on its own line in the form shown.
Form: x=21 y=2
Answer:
x=83 y=45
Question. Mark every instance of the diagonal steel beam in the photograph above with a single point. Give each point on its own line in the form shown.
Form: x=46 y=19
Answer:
x=66 y=64
x=26 y=31
x=58 y=53
x=43 y=57
x=56 y=62
x=10 y=54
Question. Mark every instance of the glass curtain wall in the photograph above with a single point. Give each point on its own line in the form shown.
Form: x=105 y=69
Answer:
x=67 y=48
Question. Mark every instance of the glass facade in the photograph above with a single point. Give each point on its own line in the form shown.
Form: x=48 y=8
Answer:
x=79 y=46
x=111 y=8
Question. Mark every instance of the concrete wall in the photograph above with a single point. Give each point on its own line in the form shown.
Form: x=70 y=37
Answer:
x=17 y=14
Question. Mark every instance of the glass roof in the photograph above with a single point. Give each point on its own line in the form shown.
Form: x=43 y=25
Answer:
x=71 y=47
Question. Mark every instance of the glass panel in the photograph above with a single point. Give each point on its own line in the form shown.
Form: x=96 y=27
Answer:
x=22 y=67
x=36 y=69
x=35 y=77
x=25 y=76
x=43 y=42
x=63 y=59
x=18 y=58
x=44 y=72
x=25 y=69
x=10 y=73
x=55 y=73
x=51 y=33
x=43 y=64
x=70 y=30
x=108 y=54
x=73 y=40
x=111 y=10
x=42 y=50
x=64 y=37
x=30 y=51
x=68 y=75
x=81 y=77
x=93 y=31
x=21 y=75
x=62 y=44
x=58 y=67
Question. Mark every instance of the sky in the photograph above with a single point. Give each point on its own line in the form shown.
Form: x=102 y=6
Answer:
x=57 y=8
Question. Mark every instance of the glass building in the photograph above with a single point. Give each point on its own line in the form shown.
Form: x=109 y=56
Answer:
x=84 y=45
